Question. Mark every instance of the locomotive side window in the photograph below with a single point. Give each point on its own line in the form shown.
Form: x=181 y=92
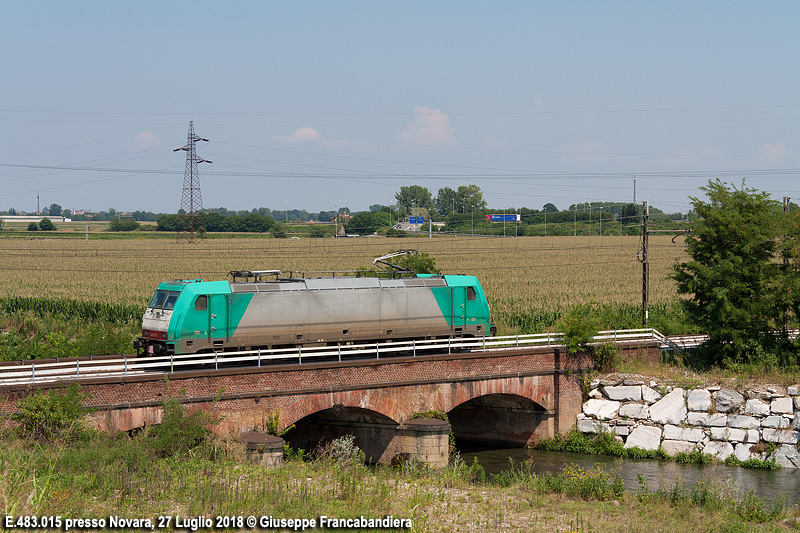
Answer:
x=201 y=304
x=471 y=295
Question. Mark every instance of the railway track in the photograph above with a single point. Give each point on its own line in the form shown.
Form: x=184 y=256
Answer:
x=15 y=373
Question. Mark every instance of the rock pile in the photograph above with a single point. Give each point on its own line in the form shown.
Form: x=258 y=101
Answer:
x=760 y=424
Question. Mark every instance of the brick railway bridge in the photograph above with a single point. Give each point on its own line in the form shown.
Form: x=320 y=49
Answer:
x=512 y=397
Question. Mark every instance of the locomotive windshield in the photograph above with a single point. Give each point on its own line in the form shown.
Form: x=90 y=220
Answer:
x=163 y=299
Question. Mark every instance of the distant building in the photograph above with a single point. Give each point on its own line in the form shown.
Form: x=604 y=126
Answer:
x=32 y=218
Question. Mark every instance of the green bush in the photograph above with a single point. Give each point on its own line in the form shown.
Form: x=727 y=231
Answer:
x=180 y=431
x=606 y=357
x=579 y=325
x=46 y=225
x=33 y=226
x=124 y=225
x=53 y=414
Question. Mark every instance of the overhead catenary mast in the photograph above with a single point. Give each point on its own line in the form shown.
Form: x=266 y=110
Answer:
x=192 y=218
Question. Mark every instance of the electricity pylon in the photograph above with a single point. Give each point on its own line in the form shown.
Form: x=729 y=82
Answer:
x=192 y=219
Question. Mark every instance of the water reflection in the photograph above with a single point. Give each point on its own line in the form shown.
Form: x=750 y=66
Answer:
x=658 y=474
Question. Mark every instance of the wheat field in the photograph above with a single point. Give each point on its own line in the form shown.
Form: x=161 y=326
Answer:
x=518 y=274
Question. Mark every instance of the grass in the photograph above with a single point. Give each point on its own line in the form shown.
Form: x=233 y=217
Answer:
x=118 y=476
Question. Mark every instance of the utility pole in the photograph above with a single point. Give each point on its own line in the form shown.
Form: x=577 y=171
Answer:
x=785 y=265
x=643 y=258
x=634 y=189
x=191 y=200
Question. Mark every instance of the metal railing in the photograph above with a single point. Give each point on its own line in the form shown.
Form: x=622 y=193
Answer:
x=33 y=371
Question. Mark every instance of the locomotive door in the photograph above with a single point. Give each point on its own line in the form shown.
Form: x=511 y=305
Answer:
x=217 y=318
x=459 y=310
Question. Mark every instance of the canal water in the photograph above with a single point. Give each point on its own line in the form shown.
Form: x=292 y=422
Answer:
x=658 y=474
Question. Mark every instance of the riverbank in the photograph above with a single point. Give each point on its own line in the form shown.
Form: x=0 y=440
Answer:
x=100 y=476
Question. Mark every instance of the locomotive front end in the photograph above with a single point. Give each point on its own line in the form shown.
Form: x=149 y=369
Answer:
x=156 y=322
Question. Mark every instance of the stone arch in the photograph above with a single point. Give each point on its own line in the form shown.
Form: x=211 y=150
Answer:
x=296 y=408
x=374 y=432
x=537 y=389
x=501 y=418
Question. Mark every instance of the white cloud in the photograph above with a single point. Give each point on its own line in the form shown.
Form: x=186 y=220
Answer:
x=300 y=135
x=583 y=151
x=310 y=135
x=145 y=141
x=773 y=151
x=687 y=157
x=430 y=127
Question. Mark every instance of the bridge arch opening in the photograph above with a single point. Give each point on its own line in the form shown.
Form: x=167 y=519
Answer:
x=373 y=431
x=500 y=419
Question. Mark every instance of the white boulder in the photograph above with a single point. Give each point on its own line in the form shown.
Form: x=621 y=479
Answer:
x=720 y=450
x=756 y=407
x=636 y=411
x=623 y=393
x=649 y=395
x=671 y=409
x=678 y=433
x=699 y=400
x=782 y=405
x=601 y=409
x=645 y=437
x=674 y=447
x=743 y=421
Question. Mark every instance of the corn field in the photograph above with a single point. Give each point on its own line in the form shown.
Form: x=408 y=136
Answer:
x=522 y=277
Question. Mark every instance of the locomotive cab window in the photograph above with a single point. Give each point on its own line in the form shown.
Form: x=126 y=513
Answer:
x=471 y=294
x=163 y=300
x=201 y=304
x=169 y=303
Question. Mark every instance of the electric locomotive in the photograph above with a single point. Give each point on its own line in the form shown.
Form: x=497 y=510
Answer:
x=190 y=316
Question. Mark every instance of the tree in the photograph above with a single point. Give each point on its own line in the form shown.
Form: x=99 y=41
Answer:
x=54 y=210
x=446 y=200
x=733 y=279
x=413 y=196
x=549 y=208
x=367 y=222
x=420 y=263
x=123 y=225
x=46 y=225
x=471 y=198
x=33 y=226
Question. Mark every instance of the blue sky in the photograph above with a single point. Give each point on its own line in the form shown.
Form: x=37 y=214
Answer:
x=312 y=104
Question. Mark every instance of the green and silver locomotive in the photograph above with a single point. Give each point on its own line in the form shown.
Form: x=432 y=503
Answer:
x=189 y=316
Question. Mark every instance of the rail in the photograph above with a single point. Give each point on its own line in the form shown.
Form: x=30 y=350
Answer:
x=40 y=371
